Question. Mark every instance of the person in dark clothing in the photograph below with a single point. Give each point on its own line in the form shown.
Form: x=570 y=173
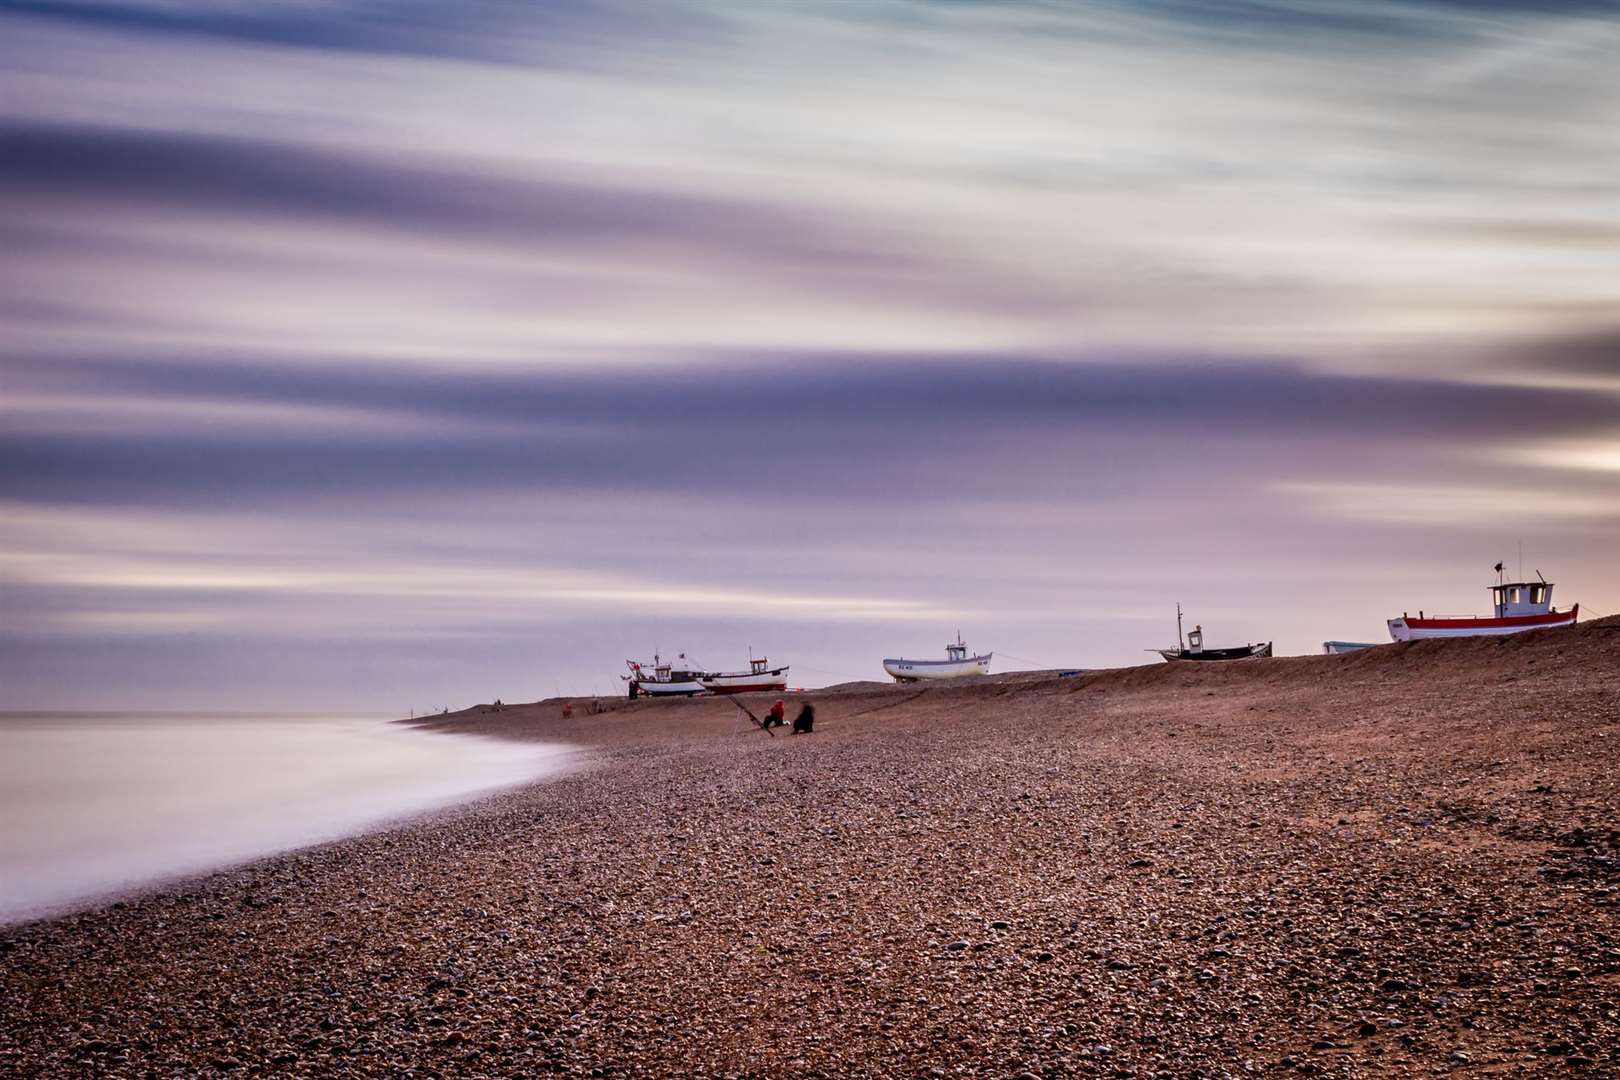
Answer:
x=775 y=717
x=805 y=721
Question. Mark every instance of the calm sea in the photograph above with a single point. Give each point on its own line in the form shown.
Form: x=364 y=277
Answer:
x=97 y=804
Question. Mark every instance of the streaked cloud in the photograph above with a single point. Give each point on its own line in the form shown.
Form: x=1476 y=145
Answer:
x=1267 y=172
x=1455 y=506
x=127 y=415
x=460 y=593
x=477 y=346
x=486 y=30
x=1602 y=456
x=890 y=427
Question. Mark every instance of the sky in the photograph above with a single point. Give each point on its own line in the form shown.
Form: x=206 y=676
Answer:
x=399 y=355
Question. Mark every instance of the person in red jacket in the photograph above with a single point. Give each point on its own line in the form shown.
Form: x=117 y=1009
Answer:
x=778 y=714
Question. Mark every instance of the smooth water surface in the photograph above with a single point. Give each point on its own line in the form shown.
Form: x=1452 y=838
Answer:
x=95 y=804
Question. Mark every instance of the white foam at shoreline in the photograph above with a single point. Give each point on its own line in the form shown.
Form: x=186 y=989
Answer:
x=98 y=805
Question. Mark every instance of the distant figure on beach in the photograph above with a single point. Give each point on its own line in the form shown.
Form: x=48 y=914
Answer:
x=778 y=714
x=805 y=721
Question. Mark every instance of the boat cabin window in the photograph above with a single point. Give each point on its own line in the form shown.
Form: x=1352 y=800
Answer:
x=1538 y=594
x=1195 y=641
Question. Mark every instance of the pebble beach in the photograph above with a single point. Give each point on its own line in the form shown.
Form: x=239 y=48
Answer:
x=1403 y=861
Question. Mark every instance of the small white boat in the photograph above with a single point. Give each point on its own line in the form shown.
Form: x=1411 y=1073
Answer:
x=1334 y=648
x=759 y=678
x=664 y=679
x=957 y=663
x=1517 y=606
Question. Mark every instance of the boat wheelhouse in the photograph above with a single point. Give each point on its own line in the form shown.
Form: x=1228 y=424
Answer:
x=956 y=664
x=759 y=678
x=664 y=678
x=1194 y=648
x=1516 y=606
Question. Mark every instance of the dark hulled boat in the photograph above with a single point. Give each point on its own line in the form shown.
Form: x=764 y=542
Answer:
x=1194 y=649
x=1235 y=652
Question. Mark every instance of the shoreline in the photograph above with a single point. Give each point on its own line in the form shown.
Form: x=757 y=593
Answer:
x=255 y=787
x=1384 y=862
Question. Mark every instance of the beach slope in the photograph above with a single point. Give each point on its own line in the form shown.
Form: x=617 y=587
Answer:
x=1393 y=861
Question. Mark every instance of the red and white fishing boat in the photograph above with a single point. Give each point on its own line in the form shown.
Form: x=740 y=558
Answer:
x=1518 y=606
x=759 y=678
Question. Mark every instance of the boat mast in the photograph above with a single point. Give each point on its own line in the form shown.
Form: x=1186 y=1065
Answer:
x=1181 y=642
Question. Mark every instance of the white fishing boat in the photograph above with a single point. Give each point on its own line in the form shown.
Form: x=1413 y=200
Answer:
x=663 y=678
x=1335 y=648
x=759 y=678
x=956 y=664
x=1517 y=606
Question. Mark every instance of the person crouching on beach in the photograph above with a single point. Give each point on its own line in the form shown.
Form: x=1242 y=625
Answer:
x=805 y=721
x=777 y=715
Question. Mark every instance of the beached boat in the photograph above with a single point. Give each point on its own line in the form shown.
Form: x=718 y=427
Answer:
x=1334 y=648
x=1517 y=606
x=956 y=664
x=760 y=677
x=663 y=678
x=1194 y=648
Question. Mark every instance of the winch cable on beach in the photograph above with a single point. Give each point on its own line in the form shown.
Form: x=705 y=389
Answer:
x=890 y=704
x=840 y=674
x=750 y=713
x=1035 y=665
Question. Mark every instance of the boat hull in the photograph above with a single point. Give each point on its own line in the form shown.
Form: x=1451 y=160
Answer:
x=1407 y=628
x=1334 y=648
x=902 y=670
x=670 y=689
x=1239 y=652
x=746 y=682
